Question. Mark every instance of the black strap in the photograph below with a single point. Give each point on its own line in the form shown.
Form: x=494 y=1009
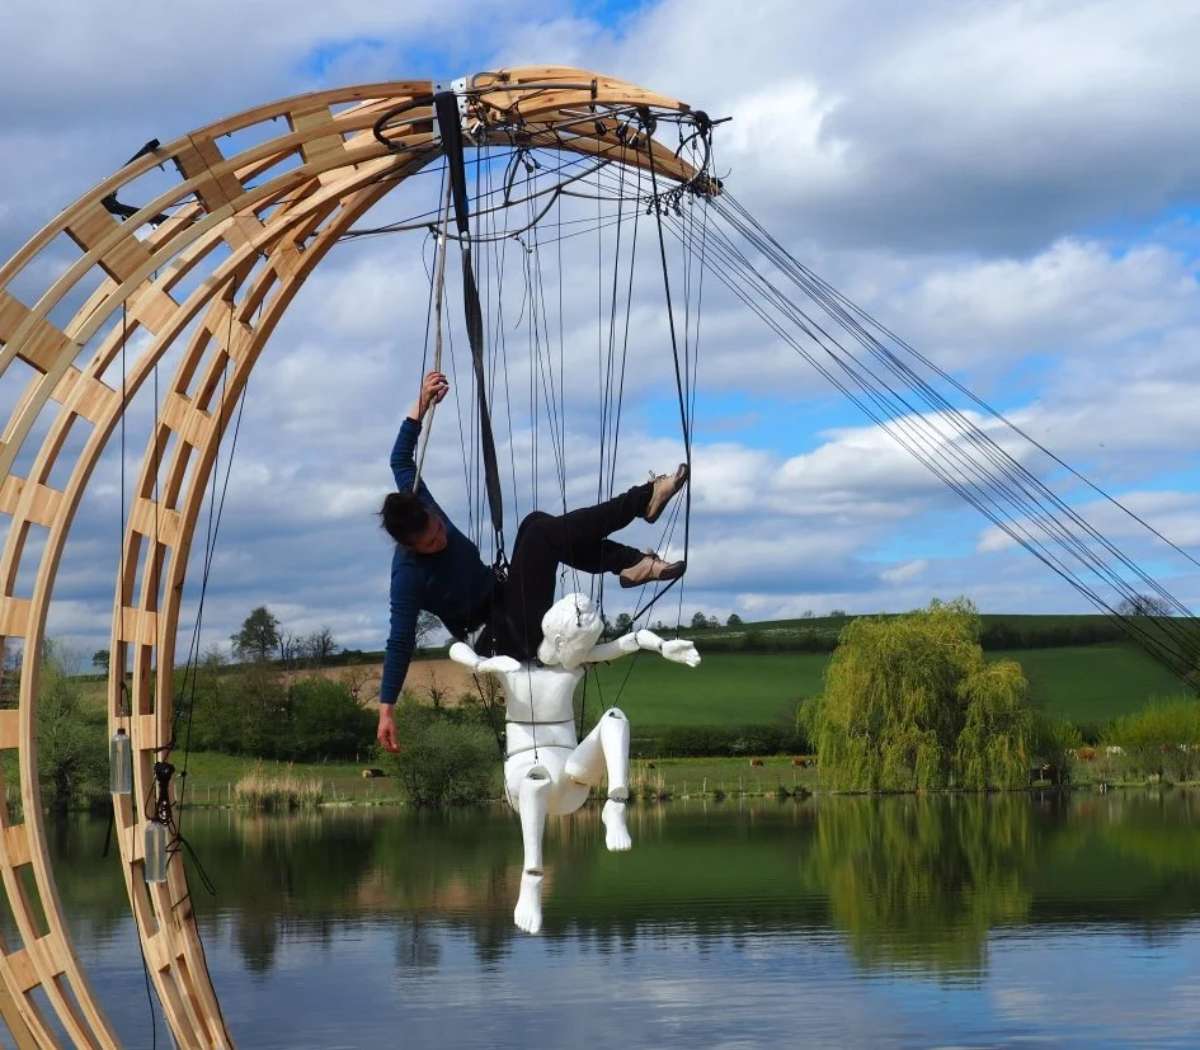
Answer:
x=446 y=107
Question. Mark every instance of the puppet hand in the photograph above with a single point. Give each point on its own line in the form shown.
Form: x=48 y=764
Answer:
x=681 y=651
x=498 y=665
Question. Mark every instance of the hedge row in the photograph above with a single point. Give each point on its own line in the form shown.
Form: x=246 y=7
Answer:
x=718 y=741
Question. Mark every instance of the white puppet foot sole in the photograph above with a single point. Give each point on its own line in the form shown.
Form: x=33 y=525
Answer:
x=528 y=912
x=616 y=831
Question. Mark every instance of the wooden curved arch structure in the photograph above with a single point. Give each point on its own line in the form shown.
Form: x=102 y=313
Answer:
x=211 y=280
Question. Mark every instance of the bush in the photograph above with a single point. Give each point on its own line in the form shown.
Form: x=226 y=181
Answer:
x=910 y=704
x=1162 y=739
x=252 y=711
x=446 y=757
x=994 y=746
x=327 y=722
x=1053 y=738
x=707 y=741
x=72 y=748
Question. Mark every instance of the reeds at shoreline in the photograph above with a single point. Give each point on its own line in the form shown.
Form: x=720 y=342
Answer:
x=264 y=792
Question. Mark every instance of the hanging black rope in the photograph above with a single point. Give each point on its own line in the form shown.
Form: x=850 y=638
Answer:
x=446 y=107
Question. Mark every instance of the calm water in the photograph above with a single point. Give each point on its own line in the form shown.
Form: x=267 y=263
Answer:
x=966 y=922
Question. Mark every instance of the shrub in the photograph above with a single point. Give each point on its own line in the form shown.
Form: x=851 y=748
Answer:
x=993 y=749
x=910 y=704
x=445 y=758
x=326 y=721
x=72 y=747
x=698 y=741
x=1053 y=738
x=1163 y=738
x=252 y=711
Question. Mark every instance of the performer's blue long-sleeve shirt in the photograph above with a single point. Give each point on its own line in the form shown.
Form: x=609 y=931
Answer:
x=453 y=584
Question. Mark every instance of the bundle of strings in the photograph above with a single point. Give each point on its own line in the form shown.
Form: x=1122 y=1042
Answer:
x=1021 y=487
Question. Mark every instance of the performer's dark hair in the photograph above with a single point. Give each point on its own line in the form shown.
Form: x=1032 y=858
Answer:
x=403 y=516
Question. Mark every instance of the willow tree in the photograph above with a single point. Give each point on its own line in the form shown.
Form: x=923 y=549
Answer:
x=910 y=703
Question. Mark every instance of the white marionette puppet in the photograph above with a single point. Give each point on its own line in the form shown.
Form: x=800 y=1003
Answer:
x=547 y=770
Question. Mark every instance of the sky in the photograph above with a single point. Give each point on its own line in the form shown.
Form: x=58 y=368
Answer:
x=1013 y=187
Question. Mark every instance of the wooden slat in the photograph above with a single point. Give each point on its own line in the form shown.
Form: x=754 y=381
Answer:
x=199 y=160
x=16 y=842
x=14 y=617
x=41 y=345
x=10 y=728
x=146 y=732
x=93 y=399
x=165 y=523
x=138 y=625
x=158 y=951
x=241 y=230
x=229 y=333
x=29 y=501
x=152 y=308
x=308 y=121
x=93 y=226
x=190 y=423
x=23 y=970
x=16 y=1022
x=46 y=950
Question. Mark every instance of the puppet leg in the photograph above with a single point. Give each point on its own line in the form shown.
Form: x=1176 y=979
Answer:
x=614 y=739
x=532 y=803
x=607 y=746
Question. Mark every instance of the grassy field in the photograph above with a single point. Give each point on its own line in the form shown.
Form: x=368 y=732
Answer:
x=1093 y=683
x=211 y=777
x=726 y=689
x=1087 y=684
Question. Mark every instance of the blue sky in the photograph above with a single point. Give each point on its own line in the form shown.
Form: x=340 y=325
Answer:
x=1008 y=186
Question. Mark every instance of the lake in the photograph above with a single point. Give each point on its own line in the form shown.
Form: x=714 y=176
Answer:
x=970 y=921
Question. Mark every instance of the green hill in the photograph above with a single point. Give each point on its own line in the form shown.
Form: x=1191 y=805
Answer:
x=1087 y=684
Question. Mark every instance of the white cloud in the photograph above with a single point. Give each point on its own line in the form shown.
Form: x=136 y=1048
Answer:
x=919 y=159
x=906 y=572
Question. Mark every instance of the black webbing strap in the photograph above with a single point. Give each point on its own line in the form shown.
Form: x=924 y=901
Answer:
x=446 y=106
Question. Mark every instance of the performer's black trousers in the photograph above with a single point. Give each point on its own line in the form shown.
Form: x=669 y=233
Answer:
x=544 y=541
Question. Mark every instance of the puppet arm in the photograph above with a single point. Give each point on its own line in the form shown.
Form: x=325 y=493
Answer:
x=461 y=653
x=677 y=650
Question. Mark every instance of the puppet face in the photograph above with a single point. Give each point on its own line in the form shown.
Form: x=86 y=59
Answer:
x=571 y=628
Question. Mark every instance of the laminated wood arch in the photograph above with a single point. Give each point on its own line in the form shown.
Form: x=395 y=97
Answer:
x=241 y=234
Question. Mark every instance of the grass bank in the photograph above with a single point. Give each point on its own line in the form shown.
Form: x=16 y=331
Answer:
x=1087 y=684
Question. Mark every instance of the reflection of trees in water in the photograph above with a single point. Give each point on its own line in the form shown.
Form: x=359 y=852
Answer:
x=417 y=946
x=286 y=874
x=922 y=881
x=914 y=881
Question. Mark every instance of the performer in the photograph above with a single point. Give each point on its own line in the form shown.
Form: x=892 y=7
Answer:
x=436 y=568
x=547 y=771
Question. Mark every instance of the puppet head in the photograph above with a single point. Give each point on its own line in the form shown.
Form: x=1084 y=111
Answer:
x=570 y=630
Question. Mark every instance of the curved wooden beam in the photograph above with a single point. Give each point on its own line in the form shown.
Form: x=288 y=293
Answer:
x=243 y=232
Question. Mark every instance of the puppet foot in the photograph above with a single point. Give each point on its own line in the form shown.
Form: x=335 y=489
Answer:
x=528 y=912
x=616 y=831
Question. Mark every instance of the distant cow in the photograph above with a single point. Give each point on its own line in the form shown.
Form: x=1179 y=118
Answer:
x=756 y=761
x=368 y=774
x=801 y=761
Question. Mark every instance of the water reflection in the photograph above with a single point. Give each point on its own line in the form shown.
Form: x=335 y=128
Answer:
x=930 y=889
